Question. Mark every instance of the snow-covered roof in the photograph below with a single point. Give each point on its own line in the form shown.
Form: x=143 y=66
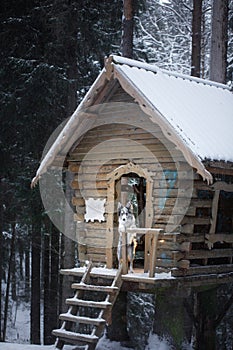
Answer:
x=195 y=114
x=199 y=110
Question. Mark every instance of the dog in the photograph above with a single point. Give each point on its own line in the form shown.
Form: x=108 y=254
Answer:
x=126 y=220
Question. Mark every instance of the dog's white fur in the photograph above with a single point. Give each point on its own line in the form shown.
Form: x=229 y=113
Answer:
x=126 y=220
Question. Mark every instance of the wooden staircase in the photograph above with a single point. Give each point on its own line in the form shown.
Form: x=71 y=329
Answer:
x=89 y=311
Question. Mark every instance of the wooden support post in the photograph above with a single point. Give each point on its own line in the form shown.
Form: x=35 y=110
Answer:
x=146 y=254
x=171 y=319
x=206 y=314
x=124 y=253
x=153 y=253
x=150 y=254
x=117 y=330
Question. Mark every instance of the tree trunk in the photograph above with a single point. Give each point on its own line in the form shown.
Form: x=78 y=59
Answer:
x=218 y=53
x=27 y=270
x=196 y=38
x=117 y=331
x=46 y=269
x=13 y=274
x=1 y=262
x=127 y=27
x=171 y=320
x=12 y=249
x=206 y=303
x=68 y=245
x=54 y=285
x=35 y=283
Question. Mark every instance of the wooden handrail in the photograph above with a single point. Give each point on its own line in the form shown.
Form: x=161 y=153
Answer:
x=151 y=239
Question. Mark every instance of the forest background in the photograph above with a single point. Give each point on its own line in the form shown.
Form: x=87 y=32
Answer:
x=51 y=53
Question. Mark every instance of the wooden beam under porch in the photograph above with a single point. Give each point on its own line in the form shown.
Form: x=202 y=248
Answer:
x=139 y=281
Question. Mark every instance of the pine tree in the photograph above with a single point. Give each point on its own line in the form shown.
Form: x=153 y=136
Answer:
x=196 y=38
x=218 y=53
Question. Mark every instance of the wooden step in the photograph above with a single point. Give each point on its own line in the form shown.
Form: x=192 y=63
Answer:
x=88 y=303
x=82 y=319
x=79 y=337
x=92 y=287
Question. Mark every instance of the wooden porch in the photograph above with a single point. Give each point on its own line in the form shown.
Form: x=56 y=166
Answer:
x=96 y=290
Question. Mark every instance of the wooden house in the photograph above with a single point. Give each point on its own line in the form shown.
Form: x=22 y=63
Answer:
x=164 y=141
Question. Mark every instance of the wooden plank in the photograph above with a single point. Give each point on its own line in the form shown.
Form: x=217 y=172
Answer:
x=214 y=213
x=94 y=257
x=203 y=270
x=96 y=250
x=147 y=140
x=199 y=203
x=219 y=237
x=87 y=338
x=124 y=253
x=88 y=303
x=214 y=253
x=81 y=319
x=153 y=254
x=87 y=185
x=164 y=245
x=91 y=287
x=196 y=220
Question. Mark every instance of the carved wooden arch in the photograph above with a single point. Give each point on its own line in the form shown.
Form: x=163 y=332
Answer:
x=115 y=175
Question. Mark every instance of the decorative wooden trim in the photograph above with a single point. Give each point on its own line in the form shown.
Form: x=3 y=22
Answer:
x=212 y=237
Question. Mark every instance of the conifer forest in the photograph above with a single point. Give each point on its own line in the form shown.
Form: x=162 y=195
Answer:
x=51 y=53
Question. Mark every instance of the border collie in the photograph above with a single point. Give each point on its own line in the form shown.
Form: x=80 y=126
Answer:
x=126 y=220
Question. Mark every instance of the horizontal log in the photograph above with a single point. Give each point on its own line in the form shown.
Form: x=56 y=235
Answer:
x=219 y=237
x=93 y=176
x=172 y=219
x=214 y=253
x=96 y=250
x=164 y=245
x=89 y=184
x=204 y=270
x=199 y=203
x=118 y=142
x=175 y=210
x=183 y=264
x=99 y=193
x=79 y=202
x=195 y=220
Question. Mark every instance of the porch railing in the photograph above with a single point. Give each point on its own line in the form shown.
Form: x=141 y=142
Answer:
x=151 y=241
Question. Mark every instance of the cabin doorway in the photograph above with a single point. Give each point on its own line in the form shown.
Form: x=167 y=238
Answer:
x=132 y=187
x=129 y=182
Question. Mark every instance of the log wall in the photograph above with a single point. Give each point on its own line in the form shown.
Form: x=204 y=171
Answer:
x=181 y=201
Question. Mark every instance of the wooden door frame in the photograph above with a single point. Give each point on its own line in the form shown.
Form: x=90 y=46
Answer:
x=115 y=175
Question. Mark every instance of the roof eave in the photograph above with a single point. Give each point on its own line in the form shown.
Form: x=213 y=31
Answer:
x=78 y=117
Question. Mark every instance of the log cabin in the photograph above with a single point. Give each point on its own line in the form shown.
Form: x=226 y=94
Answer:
x=162 y=140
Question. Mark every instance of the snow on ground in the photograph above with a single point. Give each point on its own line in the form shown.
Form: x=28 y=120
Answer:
x=104 y=344
x=154 y=343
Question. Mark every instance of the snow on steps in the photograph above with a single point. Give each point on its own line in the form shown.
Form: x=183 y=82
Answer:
x=81 y=319
x=96 y=324
x=79 y=337
x=91 y=287
x=88 y=303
